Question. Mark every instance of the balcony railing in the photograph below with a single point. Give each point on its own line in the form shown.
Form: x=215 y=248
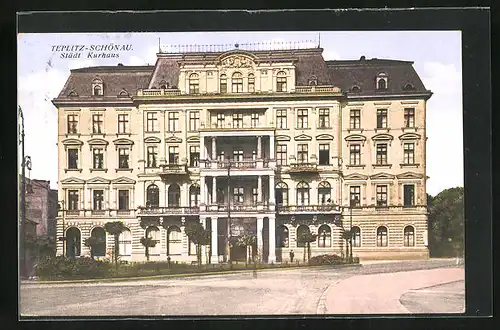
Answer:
x=317 y=89
x=174 y=169
x=240 y=208
x=158 y=92
x=302 y=168
x=308 y=208
x=170 y=210
x=214 y=126
x=238 y=165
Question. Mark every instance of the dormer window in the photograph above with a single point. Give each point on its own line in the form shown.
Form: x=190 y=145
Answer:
x=356 y=89
x=123 y=93
x=237 y=83
x=251 y=83
x=382 y=81
x=97 y=87
x=194 y=84
x=223 y=84
x=408 y=87
x=163 y=84
x=313 y=81
x=281 y=81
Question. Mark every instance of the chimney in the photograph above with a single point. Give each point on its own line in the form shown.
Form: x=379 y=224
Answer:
x=120 y=64
x=362 y=58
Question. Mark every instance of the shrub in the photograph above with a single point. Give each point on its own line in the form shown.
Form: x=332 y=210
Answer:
x=57 y=268
x=326 y=259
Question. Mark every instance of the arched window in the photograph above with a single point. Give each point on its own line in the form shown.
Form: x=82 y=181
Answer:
x=324 y=236
x=125 y=243
x=73 y=242
x=356 y=89
x=99 y=249
x=282 y=237
x=174 y=195
x=174 y=243
x=154 y=233
x=302 y=193
x=153 y=196
x=381 y=84
x=223 y=84
x=313 y=81
x=356 y=236
x=194 y=195
x=163 y=84
x=194 y=84
x=409 y=236
x=281 y=81
x=382 y=81
x=324 y=192
x=281 y=194
x=381 y=236
x=97 y=90
x=408 y=87
x=237 y=83
x=97 y=87
x=301 y=231
x=251 y=83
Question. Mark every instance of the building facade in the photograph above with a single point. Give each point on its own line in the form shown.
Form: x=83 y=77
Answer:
x=279 y=142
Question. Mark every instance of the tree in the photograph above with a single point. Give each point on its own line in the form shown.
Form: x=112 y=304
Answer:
x=148 y=242
x=91 y=242
x=306 y=237
x=199 y=236
x=115 y=228
x=40 y=246
x=247 y=241
x=446 y=222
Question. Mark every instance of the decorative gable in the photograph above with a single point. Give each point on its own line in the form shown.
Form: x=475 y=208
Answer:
x=72 y=93
x=152 y=139
x=355 y=138
x=410 y=136
x=324 y=137
x=382 y=176
x=98 y=180
x=356 y=176
x=193 y=139
x=72 y=180
x=99 y=142
x=72 y=142
x=382 y=137
x=282 y=138
x=123 y=180
x=123 y=141
x=303 y=137
x=123 y=93
x=173 y=139
x=409 y=175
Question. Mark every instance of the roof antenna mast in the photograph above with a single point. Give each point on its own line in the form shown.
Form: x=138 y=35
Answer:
x=319 y=39
x=159 y=45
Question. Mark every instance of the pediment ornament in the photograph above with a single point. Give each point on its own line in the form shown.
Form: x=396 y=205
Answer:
x=237 y=61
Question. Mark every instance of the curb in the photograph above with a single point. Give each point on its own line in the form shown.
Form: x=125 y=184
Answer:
x=322 y=309
x=166 y=276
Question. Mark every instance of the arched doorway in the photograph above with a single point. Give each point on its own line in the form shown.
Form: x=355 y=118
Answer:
x=73 y=242
x=174 y=241
x=99 y=249
x=174 y=195
x=282 y=241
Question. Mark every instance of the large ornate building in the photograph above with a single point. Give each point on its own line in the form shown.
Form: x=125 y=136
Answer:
x=279 y=141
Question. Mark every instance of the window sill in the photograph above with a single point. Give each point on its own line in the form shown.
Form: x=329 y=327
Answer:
x=414 y=165
x=193 y=131
x=105 y=170
x=282 y=129
x=124 y=170
x=409 y=129
x=66 y=170
x=123 y=134
x=151 y=132
x=173 y=132
x=381 y=165
x=303 y=128
x=77 y=135
x=323 y=128
x=356 y=166
x=355 y=130
x=382 y=129
x=103 y=135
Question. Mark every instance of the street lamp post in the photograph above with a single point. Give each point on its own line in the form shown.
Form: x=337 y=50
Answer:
x=23 y=200
x=354 y=202
x=63 y=237
x=228 y=223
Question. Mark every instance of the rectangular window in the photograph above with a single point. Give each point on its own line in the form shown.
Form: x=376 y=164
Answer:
x=123 y=158
x=381 y=195
x=72 y=159
x=251 y=84
x=281 y=155
x=223 y=84
x=355 y=154
x=382 y=154
x=72 y=200
x=302 y=118
x=238 y=194
x=152 y=122
x=194 y=121
x=123 y=200
x=281 y=119
x=237 y=120
x=409 y=114
x=409 y=153
x=97 y=124
x=173 y=121
x=381 y=118
x=324 y=118
x=238 y=155
x=152 y=156
x=123 y=126
x=355 y=119
x=98 y=199
x=220 y=120
x=194 y=156
x=255 y=120
x=173 y=155
x=98 y=158
x=355 y=195
x=302 y=153
x=72 y=124
x=255 y=195
x=220 y=156
x=409 y=195
x=324 y=154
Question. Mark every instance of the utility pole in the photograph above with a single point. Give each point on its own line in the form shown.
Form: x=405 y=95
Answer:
x=353 y=204
x=228 y=223
x=22 y=235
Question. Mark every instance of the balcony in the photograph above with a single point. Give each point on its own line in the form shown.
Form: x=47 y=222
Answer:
x=170 y=210
x=240 y=208
x=244 y=164
x=302 y=168
x=318 y=89
x=236 y=165
x=173 y=169
x=158 y=92
x=324 y=208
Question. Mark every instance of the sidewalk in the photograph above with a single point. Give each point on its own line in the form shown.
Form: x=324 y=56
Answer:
x=380 y=293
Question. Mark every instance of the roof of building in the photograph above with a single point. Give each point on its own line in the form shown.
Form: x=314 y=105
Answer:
x=310 y=65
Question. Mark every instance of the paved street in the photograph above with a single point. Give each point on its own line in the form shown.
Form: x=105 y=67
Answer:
x=298 y=291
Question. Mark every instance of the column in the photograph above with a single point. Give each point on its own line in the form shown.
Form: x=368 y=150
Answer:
x=271 y=147
x=186 y=202
x=259 y=147
x=185 y=240
x=203 y=190
x=259 y=189
x=272 y=240
x=214 y=149
x=203 y=149
x=214 y=190
x=165 y=197
x=260 y=226
x=271 y=189
x=215 y=241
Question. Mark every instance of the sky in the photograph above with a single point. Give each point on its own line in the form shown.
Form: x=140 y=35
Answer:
x=436 y=56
